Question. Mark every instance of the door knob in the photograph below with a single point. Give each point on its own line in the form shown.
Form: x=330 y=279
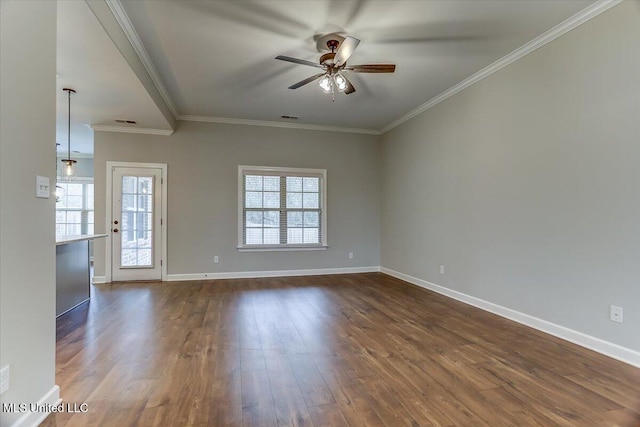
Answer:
x=115 y=222
x=115 y=230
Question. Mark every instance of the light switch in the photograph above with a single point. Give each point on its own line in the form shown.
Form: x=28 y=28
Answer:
x=42 y=187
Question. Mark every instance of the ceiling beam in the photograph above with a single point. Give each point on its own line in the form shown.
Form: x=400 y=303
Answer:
x=113 y=19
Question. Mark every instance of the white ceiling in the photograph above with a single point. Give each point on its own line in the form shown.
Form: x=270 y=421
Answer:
x=216 y=58
x=107 y=88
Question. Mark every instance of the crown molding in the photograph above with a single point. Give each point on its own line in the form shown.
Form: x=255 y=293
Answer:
x=125 y=23
x=125 y=129
x=267 y=123
x=576 y=20
x=122 y=18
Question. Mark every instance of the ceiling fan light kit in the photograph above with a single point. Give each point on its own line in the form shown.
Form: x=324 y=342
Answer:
x=326 y=83
x=334 y=64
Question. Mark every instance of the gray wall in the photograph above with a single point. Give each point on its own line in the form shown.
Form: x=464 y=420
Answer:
x=27 y=248
x=526 y=186
x=203 y=161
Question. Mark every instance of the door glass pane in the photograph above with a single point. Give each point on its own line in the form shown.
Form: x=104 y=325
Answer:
x=145 y=203
x=128 y=257
x=128 y=202
x=144 y=257
x=145 y=185
x=129 y=184
x=144 y=239
x=136 y=224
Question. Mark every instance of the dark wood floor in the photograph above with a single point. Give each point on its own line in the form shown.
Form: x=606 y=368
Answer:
x=359 y=350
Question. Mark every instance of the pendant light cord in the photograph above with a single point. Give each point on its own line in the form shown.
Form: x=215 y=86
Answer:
x=69 y=127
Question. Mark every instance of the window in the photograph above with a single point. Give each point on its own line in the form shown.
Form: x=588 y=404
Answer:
x=74 y=210
x=281 y=208
x=136 y=230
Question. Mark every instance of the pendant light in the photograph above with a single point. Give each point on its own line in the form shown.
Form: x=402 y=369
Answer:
x=69 y=170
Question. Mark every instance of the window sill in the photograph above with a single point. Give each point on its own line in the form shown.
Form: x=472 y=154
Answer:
x=281 y=248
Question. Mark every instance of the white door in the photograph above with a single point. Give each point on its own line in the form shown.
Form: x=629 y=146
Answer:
x=136 y=223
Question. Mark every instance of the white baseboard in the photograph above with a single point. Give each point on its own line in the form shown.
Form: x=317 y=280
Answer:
x=33 y=419
x=99 y=279
x=274 y=273
x=607 y=348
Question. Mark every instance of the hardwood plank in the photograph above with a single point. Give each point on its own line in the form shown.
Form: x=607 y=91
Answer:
x=279 y=369
x=291 y=409
x=257 y=402
x=327 y=416
x=355 y=408
x=522 y=411
x=359 y=350
x=562 y=408
x=384 y=403
x=312 y=385
x=617 y=389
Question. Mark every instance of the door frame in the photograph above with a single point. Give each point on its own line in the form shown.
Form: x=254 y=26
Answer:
x=109 y=214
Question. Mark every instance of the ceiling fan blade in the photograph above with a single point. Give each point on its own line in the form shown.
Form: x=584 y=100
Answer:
x=345 y=50
x=350 y=88
x=306 y=81
x=299 y=61
x=372 y=68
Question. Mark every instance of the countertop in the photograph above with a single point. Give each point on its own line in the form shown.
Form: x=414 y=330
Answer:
x=61 y=240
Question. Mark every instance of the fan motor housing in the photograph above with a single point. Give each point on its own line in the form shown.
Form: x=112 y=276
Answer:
x=322 y=41
x=327 y=58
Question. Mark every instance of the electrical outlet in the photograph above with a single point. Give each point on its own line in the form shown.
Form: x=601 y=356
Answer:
x=4 y=379
x=216 y=259
x=616 y=314
x=350 y=255
x=442 y=269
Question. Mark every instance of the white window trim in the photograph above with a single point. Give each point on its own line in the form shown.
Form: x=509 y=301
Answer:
x=269 y=170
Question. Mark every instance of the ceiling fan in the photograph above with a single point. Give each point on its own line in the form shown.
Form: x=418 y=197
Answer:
x=334 y=65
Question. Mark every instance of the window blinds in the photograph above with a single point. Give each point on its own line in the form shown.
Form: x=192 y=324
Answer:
x=282 y=208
